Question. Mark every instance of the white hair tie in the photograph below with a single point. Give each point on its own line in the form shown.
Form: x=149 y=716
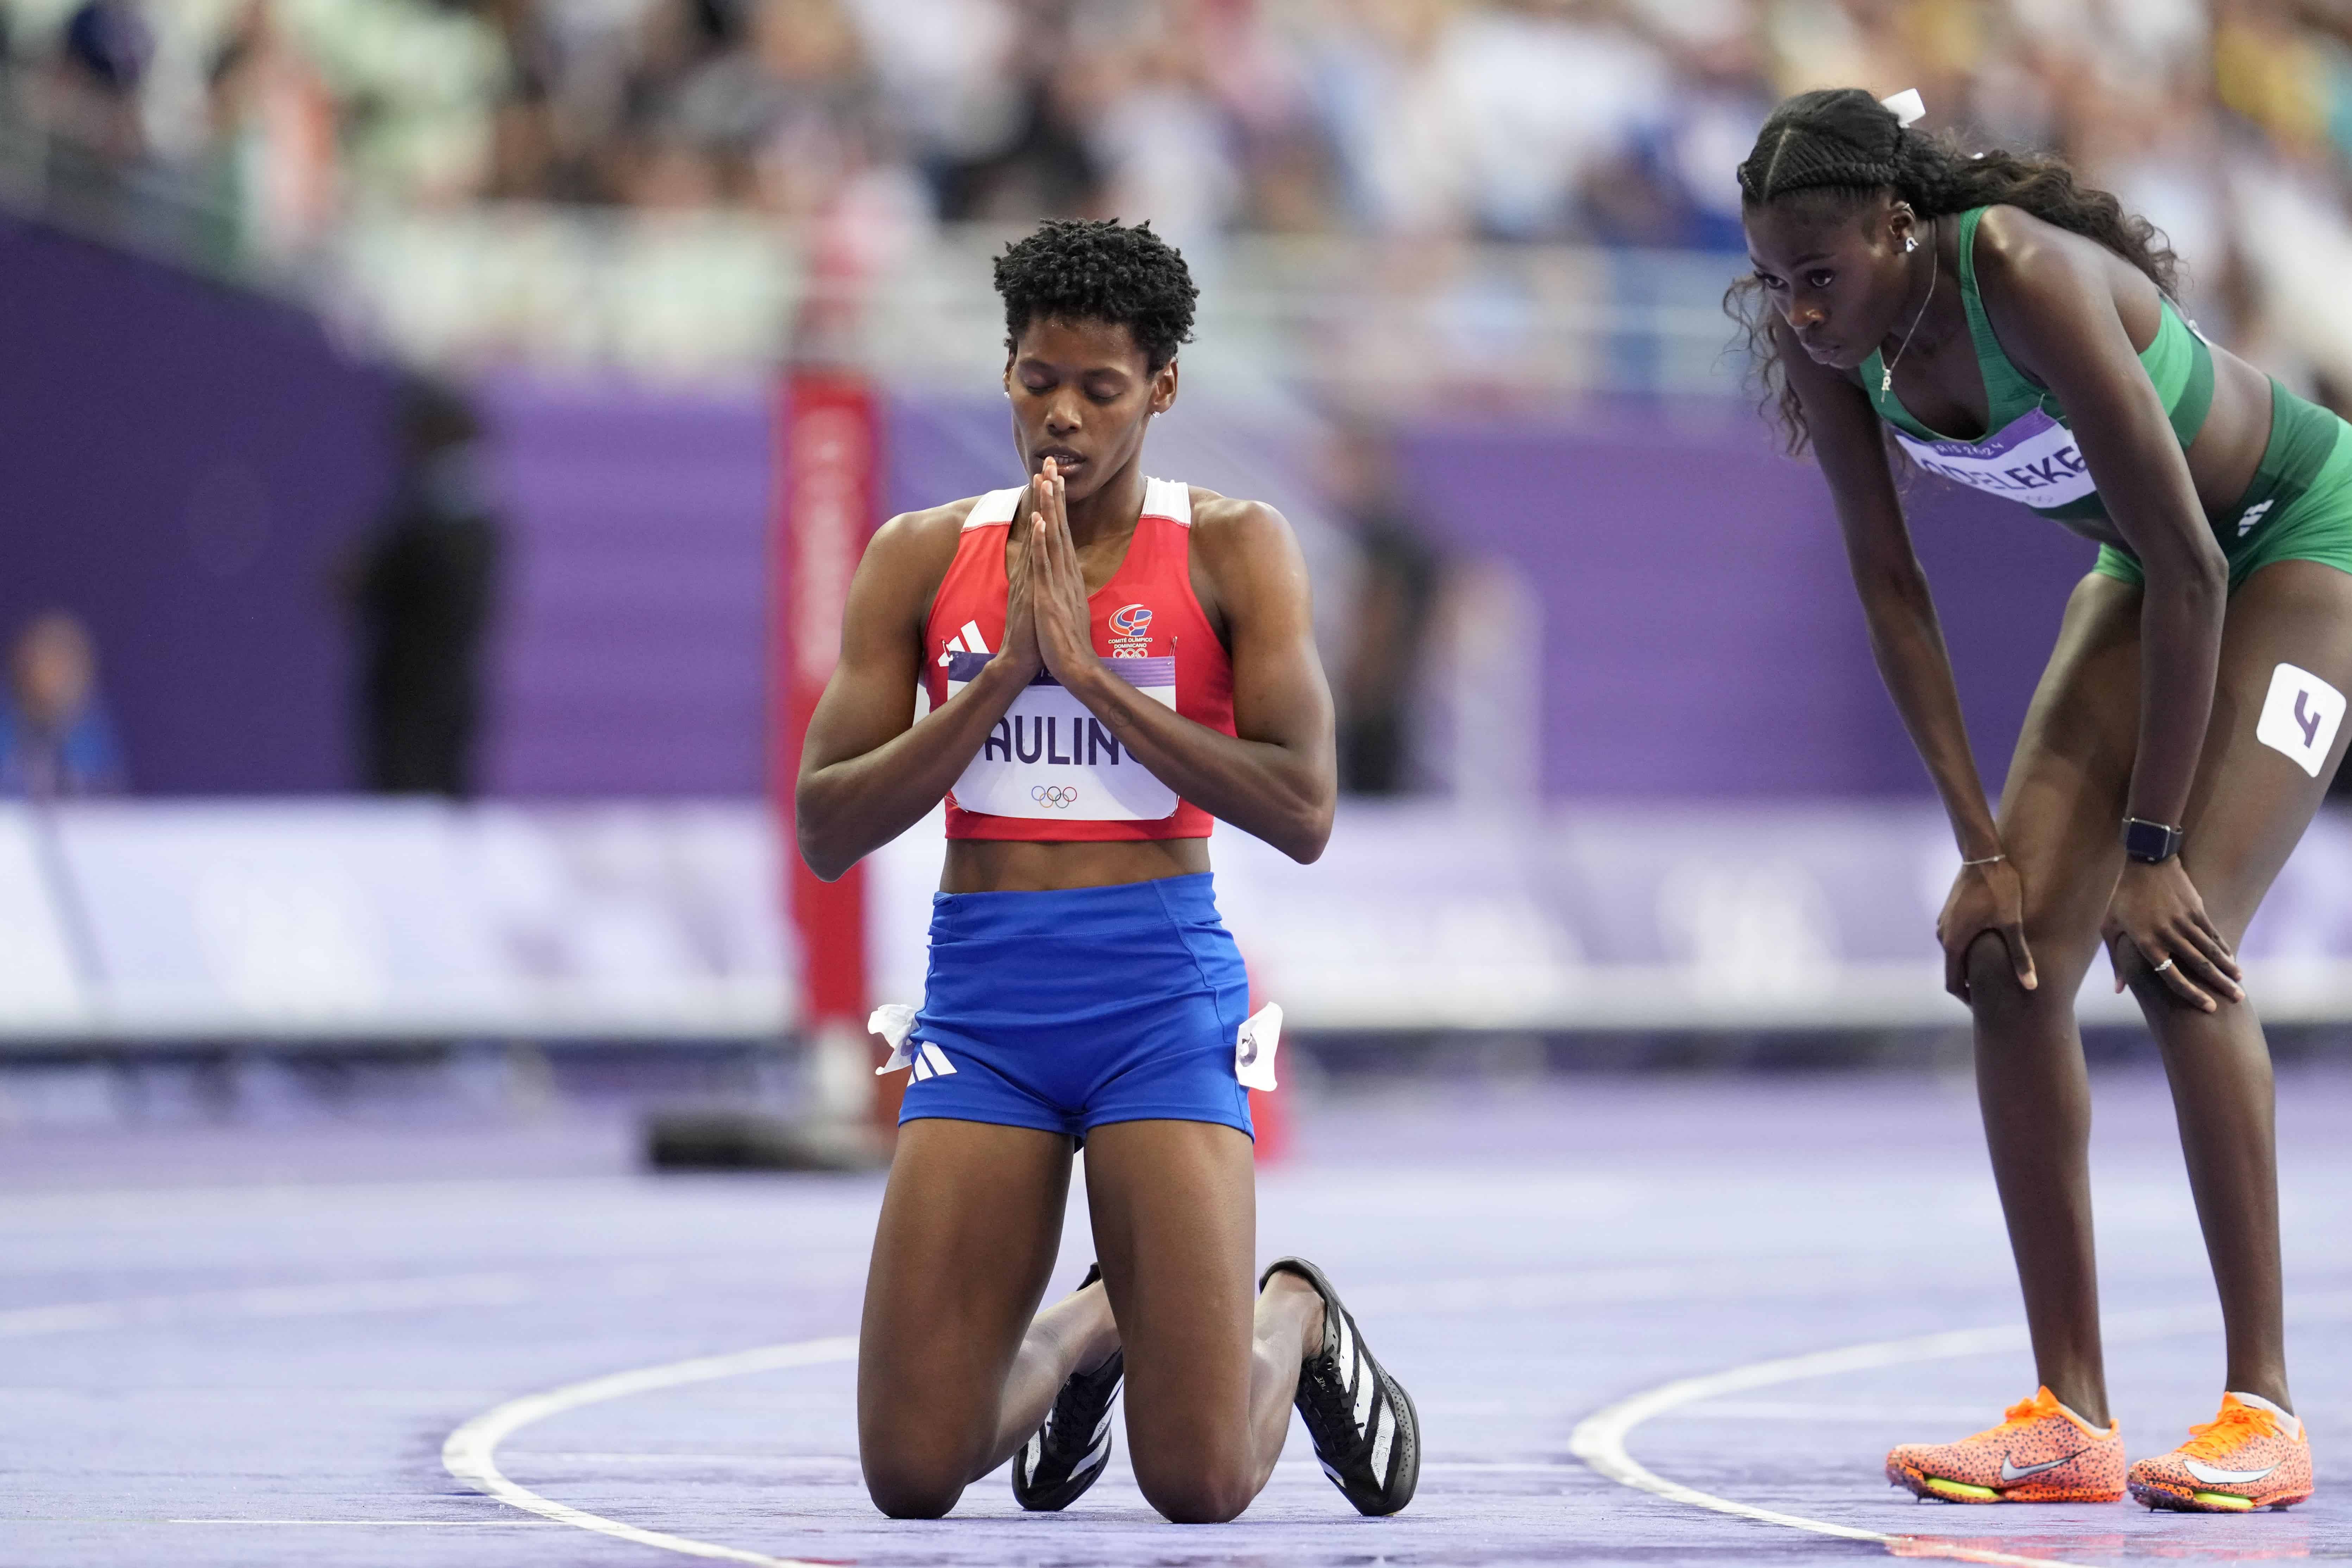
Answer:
x=1905 y=106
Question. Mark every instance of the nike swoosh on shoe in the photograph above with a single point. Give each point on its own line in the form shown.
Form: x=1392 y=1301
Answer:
x=2213 y=1477
x=2013 y=1472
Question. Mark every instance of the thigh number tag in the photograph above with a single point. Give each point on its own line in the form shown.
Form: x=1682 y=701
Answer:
x=2300 y=717
x=1254 y=1047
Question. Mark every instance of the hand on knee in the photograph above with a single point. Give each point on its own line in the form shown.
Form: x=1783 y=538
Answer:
x=1992 y=975
x=2133 y=971
x=2135 y=974
x=2157 y=991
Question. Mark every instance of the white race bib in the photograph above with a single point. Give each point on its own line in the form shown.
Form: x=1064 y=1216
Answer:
x=1050 y=758
x=2034 y=459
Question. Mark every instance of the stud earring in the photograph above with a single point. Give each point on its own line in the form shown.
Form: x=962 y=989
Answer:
x=1910 y=243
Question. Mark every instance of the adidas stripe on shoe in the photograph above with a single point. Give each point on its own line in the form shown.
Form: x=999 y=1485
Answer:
x=1069 y=1452
x=1366 y=1433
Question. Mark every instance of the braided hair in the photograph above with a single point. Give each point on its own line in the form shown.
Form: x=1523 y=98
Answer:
x=1839 y=148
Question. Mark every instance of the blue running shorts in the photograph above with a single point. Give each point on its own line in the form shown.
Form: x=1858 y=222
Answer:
x=1066 y=1010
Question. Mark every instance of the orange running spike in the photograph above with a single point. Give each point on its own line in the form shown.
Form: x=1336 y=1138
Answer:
x=2235 y=1463
x=2040 y=1452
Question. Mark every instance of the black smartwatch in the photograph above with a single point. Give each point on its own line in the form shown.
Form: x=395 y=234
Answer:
x=2150 y=843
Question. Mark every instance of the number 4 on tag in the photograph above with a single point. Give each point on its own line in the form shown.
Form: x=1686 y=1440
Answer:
x=2300 y=717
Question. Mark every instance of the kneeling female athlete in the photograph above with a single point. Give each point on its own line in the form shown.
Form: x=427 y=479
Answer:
x=2177 y=749
x=1111 y=661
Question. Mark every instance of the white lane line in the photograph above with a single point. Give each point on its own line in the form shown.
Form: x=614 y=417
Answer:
x=269 y=1301
x=1600 y=1438
x=781 y=1461
x=471 y=1452
x=386 y=1524
x=1800 y=1410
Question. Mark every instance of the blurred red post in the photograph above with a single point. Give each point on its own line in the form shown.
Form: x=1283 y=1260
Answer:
x=1269 y=1111
x=828 y=492
x=1270 y=1116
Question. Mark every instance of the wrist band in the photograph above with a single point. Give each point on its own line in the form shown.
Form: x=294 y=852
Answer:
x=1987 y=861
x=2151 y=843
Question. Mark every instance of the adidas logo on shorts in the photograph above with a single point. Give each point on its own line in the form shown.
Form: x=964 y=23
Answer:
x=930 y=1061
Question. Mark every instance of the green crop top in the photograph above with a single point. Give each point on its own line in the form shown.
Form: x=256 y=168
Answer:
x=2028 y=452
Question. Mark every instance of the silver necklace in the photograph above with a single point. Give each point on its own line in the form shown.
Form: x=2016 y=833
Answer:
x=1934 y=271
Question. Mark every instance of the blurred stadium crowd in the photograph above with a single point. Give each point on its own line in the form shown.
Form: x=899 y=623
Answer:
x=373 y=140
x=1603 y=120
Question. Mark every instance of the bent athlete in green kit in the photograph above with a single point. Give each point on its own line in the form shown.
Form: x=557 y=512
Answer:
x=2017 y=333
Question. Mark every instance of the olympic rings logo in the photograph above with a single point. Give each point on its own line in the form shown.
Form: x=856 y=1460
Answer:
x=1061 y=797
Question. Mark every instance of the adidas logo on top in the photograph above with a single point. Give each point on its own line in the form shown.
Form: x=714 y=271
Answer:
x=968 y=640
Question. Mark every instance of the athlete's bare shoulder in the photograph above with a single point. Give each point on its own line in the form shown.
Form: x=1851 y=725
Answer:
x=2011 y=240
x=2015 y=247
x=920 y=542
x=1246 y=559
x=909 y=557
x=2023 y=262
x=1223 y=525
x=932 y=529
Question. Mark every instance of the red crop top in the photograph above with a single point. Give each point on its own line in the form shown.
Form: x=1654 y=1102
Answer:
x=1052 y=771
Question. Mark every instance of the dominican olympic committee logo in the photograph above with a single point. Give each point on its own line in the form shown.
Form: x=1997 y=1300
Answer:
x=1131 y=632
x=1061 y=797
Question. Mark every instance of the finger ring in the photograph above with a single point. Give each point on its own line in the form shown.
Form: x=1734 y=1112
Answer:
x=2165 y=965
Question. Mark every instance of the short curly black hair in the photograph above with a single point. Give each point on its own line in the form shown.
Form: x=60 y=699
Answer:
x=1071 y=270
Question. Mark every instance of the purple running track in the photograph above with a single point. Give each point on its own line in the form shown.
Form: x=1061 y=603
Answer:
x=248 y=1348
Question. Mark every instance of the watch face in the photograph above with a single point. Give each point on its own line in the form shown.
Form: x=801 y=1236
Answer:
x=2150 y=840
